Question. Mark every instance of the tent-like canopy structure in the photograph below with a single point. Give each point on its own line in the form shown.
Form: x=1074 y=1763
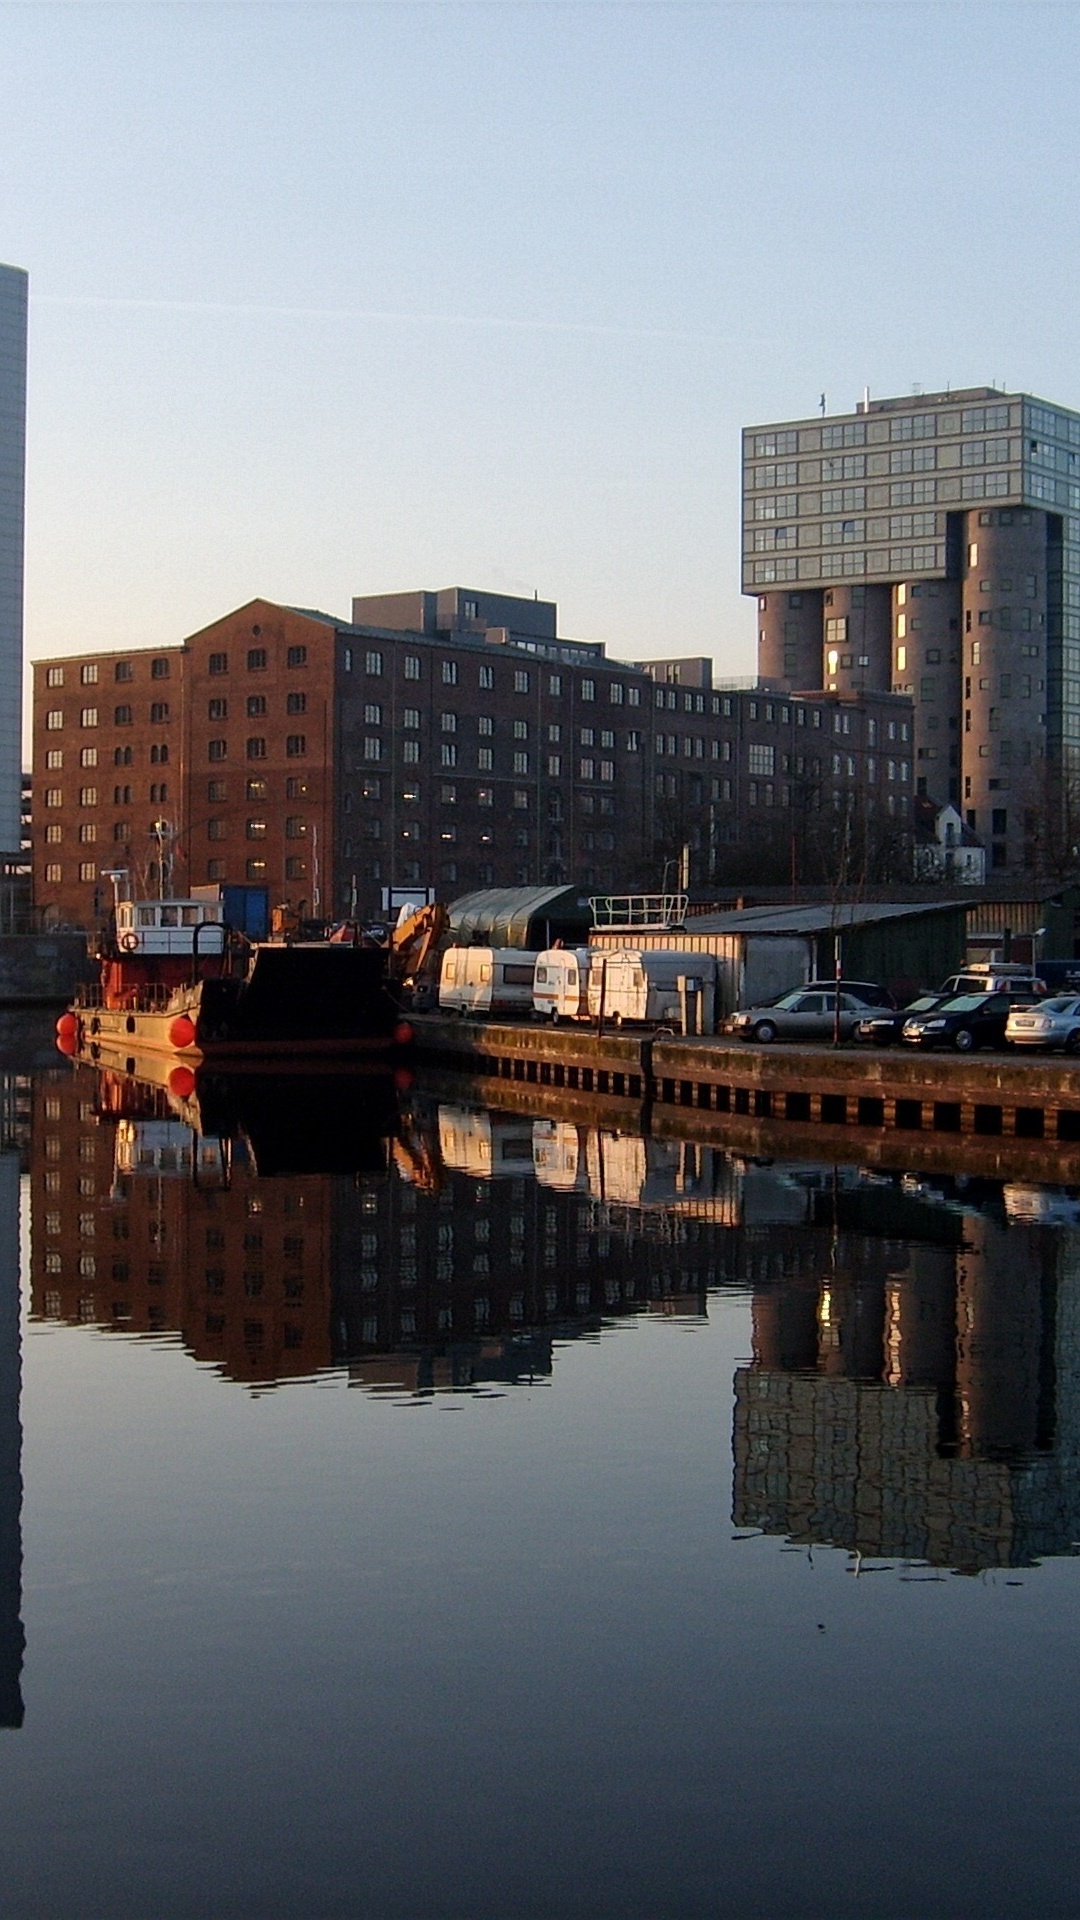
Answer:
x=528 y=917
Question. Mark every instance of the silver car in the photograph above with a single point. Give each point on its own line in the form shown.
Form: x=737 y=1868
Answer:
x=799 y=1016
x=1053 y=1023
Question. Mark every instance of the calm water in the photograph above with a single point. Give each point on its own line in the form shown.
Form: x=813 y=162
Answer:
x=489 y=1516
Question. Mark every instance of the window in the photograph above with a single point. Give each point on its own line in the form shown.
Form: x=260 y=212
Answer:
x=485 y=725
x=448 y=756
x=554 y=765
x=588 y=689
x=53 y=836
x=296 y=657
x=159 y=669
x=372 y=714
x=122 y=830
x=555 y=685
x=54 y=677
x=159 y=712
x=372 y=747
x=411 y=718
x=121 y=758
x=159 y=756
x=295 y=827
x=87 y=798
x=217 y=710
x=87 y=870
x=159 y=790
x=215 y=869
x=256 y=830
x=521 y=763
x=256 y=659
x=296 y=787
x=89 y=717
x=215 y=829
x=295 y=868
x=521 y=798
x=449 y=673
x=54 y=797
x=296 y=703
x=256 y=705
x=487 y=679
x=255 y=870
x=762 y=759
x=54 y=759
x=448 y=722
x=256 y=747
x=410 y=753
x=54 y=720
x=121 y=717
x=218 y=663
x=484 y=759
x=412 y=666
x=521 y=729
x=89 y=674
x=256 y=789
x=587 y=770
x=295 y=746
x=448 y=795
x=52 y=875
x=485 y=796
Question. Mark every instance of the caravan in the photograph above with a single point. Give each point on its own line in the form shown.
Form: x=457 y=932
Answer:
x=561 y=985
x=487 y=980
x=643 y=985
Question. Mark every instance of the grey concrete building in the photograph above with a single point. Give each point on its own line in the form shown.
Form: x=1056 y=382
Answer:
x=930 y=545
x=13 y=308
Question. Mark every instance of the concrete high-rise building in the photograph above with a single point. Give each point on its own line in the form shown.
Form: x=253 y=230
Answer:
x=930 y=546
x=13 y=305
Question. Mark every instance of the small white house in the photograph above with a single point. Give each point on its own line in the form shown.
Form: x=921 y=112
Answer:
x=945 y=849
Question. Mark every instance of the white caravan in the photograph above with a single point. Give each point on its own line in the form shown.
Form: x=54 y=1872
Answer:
x=643 y=985
x=487 y=980
x=561 y=985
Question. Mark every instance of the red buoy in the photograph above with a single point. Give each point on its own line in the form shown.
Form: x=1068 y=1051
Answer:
x=67 y=1041
x=403 y=1034
x=182 y=1031
x=404 y=1079
x=182 y=1083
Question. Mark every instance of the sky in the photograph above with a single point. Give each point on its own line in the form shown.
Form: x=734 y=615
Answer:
x=329 y=300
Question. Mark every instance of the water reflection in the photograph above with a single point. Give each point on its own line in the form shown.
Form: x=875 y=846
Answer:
x=914 y=1386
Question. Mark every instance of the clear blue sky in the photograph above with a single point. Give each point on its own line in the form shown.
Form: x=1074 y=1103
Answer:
x=340 y=299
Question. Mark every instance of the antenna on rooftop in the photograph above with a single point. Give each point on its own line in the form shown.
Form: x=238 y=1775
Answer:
x=821 y=403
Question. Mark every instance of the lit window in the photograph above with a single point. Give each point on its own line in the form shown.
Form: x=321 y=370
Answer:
x=487 y=679
x=87 y=871
x=54 y=677
x=54 y=720
x=412 y=666
x=88 y=717
x=89 y=674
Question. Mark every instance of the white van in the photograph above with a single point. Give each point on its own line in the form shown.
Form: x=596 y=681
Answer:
x=643 y=985
x=561 y=984
x=487 y=980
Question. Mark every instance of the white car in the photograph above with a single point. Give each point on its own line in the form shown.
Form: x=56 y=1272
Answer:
x=1053 y=1023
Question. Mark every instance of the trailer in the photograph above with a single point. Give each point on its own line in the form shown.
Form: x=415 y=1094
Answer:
x=487 y=980
x=561 y=983
x=662 y=986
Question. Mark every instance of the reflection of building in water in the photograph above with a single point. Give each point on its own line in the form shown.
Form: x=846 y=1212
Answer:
x=919 y=1401
x=460 y=1271
x=12 y=1639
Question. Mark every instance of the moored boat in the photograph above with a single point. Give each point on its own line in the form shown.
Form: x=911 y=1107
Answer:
x=174 y=979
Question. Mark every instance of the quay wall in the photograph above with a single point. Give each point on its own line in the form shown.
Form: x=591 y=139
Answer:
x=41 y=969
x=1034 y=1099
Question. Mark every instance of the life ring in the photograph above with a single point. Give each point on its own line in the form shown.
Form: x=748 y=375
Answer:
x=128 y=942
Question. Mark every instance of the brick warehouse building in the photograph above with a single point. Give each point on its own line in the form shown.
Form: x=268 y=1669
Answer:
x=449 y=740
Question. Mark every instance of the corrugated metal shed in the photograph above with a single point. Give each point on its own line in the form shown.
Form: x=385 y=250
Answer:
x=528 y=917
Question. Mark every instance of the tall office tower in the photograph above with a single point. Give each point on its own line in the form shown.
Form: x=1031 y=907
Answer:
x=13 y=301
x=931 y=546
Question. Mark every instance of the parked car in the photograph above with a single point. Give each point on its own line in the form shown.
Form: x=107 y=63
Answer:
x=883 y=1027
x=993 y=977
x=805 y=1014
x=970 y=1020
x=870 y=994
x=1053 y=1023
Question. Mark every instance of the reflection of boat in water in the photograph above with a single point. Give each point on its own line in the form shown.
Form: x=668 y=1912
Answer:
x=175 y=1119
x=172 y=978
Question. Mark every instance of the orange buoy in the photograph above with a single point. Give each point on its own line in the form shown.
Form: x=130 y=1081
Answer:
x=182 y=1031
x=67 y=1042
x=182 y=1082
x=403 y=1034
x=404 y=1078
x=68 y=1025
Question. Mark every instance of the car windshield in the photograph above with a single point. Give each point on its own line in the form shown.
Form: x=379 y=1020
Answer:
x=965 y=1003
x=921 y=1006
x=1057 y=1006
x=788 y=1000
